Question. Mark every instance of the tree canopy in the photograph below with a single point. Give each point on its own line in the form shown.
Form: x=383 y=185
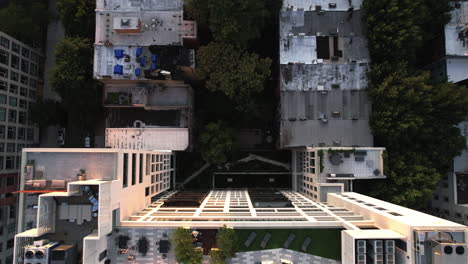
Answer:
x=236 y=73
x=227 y=242
x=72 y=79
x=78 y=17
x=25 y=20
x=415 y=120
x=183 y=247
x=412 y=116
x=218 y=143
x=234 y=21
x=47 y=113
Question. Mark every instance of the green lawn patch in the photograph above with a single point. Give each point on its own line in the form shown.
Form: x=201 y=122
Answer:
x=325 y=242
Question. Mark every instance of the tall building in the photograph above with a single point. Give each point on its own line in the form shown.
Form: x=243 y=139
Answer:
x=95 y=197
x=20 y=78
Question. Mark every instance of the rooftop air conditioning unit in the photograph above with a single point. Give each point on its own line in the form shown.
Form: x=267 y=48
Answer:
x=444 y=253
x=125 y=22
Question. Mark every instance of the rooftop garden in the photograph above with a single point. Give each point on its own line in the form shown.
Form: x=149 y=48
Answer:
x=324 y=242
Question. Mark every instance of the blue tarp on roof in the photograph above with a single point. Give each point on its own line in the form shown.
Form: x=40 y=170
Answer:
x=118 y=69
x=153 y=57
x=137 y=71
x=143 y=61
x=139 y=51
x=153 y=66
x=119 y=53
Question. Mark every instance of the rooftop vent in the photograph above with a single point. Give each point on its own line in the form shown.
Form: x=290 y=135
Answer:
x=124 y=22
x=332 y=5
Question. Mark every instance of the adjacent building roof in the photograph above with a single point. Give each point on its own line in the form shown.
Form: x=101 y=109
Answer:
x=176 y=139
x=456 y=31
x=131 y=27
x=323 y=66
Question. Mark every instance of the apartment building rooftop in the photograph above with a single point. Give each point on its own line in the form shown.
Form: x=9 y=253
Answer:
x=129 y=32
x=326 y=5
x=323 y=66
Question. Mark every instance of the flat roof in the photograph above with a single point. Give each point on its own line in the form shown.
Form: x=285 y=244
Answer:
x=341 y=5
x=159 y=5
x=176 y=139
x=455 y=46
x=346 y=113
x=324 y=62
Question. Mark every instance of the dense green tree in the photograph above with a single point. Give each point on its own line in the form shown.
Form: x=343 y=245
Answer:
x=234 y=21
x=227 y=242
x=218 y=143
x=72 y=79
x=47 y=113
x=399 y=29
x=25 y=20
x=415 y=120
x=78 y=17
x=216 y=257
x=184 y=249
x=236 y=73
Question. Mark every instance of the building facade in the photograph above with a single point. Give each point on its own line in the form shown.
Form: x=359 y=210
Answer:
x=20 y=80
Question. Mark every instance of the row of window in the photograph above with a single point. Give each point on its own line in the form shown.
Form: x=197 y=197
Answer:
x=15 y=47
x=16 y=63
x=14 y=116
x=19 y=78
x=10 y=162
x=23 y=91
x=11 y=133
x=11 y=147
x=133 y=171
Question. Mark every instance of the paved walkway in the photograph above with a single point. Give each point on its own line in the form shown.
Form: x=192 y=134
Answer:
x=276 y=255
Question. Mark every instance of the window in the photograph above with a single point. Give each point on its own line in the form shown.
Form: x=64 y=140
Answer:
x=1 y=244
x=13 y=88
x=5 y=42
x=21 y=133
x=3 y=72
x=11 y=114
x=125 y=170
x=4 y=57
x=3 y=99
x=15 y=47
x=21 y=119
x=141 y=168
x=10 y=181
x=33 y=69
x=24 y=80
x=15 y=62
x=23 y=103
x=102 y=255
x=14 y=76
x=30 y=134
x=13 y=101
x=11 y=147
x=3 y=85
x=446 y=199
x=24 y=91
x=24 y=66
x=2 y=147
x=2 y=132
x=10 y=162
x=2 y=114
x=25 y=52
x=32 y=94
x=10 y=243
x=147 y=191
x=33 y=83
x=34 y=57
x=134 y=168
x=18 y=162
x=19 y=147
x=11 y=133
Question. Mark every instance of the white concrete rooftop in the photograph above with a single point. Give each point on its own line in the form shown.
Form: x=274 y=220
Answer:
x=341 y=5
x=176 y=139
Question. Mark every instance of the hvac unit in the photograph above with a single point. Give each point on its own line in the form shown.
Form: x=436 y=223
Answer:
x=360 y=244
x=39 y=252
x=444 y=253
x=361 y=259
x=390 y=251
